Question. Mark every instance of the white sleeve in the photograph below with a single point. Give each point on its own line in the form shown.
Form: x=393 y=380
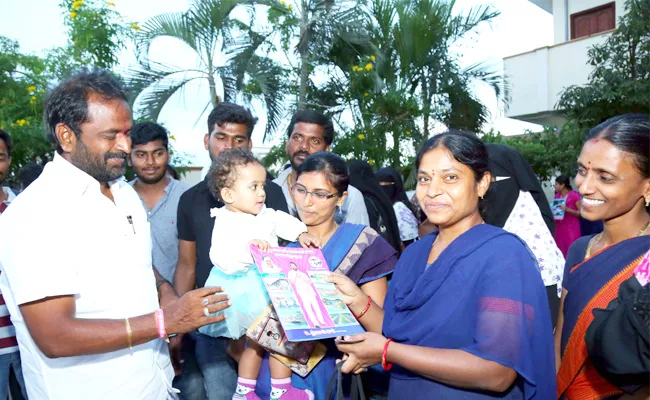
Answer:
x=32 y=261
x=356 y=212
x=288 y=227
x=229 y=250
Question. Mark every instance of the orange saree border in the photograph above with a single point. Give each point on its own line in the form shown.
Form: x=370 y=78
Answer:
x=576 y=353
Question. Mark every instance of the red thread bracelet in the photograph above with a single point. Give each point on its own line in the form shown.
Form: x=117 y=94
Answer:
x=385 y=365
x=366 y=308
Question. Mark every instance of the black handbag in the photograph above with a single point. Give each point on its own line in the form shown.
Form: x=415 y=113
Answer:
x=356 y=388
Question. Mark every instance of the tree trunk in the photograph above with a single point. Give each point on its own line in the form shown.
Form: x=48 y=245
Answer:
x=396 y=153
x=213 y=90
x=426 y=105
x=303 y=49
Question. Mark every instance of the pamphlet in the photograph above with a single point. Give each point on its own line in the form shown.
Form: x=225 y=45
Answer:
x=556 y=207
x=309 y=308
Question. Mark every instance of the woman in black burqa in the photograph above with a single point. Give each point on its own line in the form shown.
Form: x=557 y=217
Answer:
x=380 y=208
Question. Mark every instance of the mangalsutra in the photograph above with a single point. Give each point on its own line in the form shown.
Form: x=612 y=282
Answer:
x=597 y=238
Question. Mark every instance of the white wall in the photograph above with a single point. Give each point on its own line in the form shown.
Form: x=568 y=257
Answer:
x=539 y=76
x=560 y=32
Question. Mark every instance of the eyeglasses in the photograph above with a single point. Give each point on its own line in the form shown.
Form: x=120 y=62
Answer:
x=301 y=191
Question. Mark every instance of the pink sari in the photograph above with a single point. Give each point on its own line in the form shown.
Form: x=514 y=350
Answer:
x=567 y=230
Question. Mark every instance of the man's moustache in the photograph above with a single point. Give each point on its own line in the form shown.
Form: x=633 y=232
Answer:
x=108 y=156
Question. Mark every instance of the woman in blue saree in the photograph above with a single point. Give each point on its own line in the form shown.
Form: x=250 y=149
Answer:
x=355 y=251
x=466 y=315
x=614 y=181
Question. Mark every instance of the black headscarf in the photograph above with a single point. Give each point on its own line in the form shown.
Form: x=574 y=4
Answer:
x=395 y=192
x=377 y=202
x=500 y=199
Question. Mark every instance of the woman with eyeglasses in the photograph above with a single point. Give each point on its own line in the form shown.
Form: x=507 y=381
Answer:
x=356 y=251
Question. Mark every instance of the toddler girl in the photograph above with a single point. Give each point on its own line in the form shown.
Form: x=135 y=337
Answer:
x=237 y=178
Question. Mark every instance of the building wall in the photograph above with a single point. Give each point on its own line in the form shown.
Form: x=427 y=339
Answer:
x=562 y=31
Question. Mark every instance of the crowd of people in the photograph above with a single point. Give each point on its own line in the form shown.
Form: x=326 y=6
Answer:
x=471 y=290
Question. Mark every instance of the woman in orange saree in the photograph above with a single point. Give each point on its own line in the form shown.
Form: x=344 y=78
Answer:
x=614 y=182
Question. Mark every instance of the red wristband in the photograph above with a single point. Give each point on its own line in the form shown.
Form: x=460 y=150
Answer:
x=365 y=309
x=160 y=324
x=385 y=365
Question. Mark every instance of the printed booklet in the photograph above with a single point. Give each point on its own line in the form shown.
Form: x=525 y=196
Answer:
x=556 y=207
x=308 y=307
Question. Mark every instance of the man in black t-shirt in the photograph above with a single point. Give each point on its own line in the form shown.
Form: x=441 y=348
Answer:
x=229 y=126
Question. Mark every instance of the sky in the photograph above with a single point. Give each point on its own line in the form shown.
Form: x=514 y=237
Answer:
x=38 y=25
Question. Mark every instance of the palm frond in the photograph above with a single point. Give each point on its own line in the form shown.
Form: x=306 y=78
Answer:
x=174 y=25
x=460 y=25
x=151 y=102
x=494 y=78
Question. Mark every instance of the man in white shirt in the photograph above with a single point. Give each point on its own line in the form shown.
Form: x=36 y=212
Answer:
x=76 y=263
x=312 y=132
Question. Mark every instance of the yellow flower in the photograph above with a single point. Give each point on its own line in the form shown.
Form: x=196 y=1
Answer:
x=42 y=91
x=73 y=14
x=22 y=122
x=31 y=88
x=77 y=4
x=282 y=2
x=366 y=94
x=134 y=26
x=110 y=3
x=408 y=133
x=361 y=136
x=32 y=100
x=368 y=67
x=289 y=7
x=373 y=58
x=371 y=162
x=172 y=137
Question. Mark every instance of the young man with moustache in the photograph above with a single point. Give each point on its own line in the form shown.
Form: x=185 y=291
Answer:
x=312 y=132
x=160 y=194
x=229 y=126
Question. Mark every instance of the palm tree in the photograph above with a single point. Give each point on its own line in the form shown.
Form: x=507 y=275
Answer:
x=417 y=78
x=321 y=27
x=227 y=50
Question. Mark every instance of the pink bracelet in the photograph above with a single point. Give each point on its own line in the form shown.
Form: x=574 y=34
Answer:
x=160 y=324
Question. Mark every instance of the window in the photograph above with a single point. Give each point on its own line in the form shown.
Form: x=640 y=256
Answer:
x=592 y=21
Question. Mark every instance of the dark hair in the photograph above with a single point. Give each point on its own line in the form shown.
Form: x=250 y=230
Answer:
x=332 y=165
x=4 y=136
x=68 y=102
x=229 y=113
x=564 y=180
x=629 y=133
x=466 y=148
x=146 y=132
x=29 y=173
x=223 y=171
x=316 y=118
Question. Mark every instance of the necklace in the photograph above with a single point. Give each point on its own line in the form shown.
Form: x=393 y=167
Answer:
x=597 y=238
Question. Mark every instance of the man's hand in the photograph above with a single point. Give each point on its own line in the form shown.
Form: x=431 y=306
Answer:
x=308 y=240
x=195 y=310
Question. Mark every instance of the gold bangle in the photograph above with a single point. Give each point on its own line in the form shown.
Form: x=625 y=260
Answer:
x=128 y=332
